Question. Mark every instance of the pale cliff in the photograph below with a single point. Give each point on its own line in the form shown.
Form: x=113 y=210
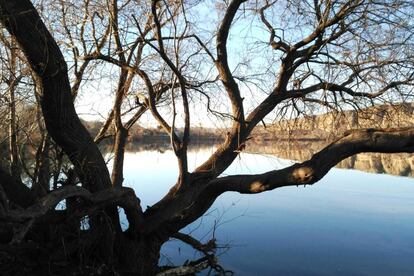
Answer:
x=333 y=124
x=300 y=138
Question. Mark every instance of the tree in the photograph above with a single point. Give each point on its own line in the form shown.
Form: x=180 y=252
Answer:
x=339 y=53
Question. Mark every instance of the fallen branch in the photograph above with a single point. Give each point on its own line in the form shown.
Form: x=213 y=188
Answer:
x=187 y=269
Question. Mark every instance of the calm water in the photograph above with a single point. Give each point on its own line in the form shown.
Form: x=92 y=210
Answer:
x=349 y=223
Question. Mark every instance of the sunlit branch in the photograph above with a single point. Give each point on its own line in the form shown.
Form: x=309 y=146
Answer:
x=308 y=172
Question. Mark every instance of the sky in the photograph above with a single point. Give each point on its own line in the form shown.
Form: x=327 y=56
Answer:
x=250 y=58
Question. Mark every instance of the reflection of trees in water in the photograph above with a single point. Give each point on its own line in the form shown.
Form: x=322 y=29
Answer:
x=395 y=164
x=162 y=145
x=301 y=150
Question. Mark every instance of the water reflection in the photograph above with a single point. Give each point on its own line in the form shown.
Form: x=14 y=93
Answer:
x=395 y=164
x=350 y=223
x=401 y=164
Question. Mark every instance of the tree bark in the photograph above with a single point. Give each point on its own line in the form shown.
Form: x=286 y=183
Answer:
x=118 y=167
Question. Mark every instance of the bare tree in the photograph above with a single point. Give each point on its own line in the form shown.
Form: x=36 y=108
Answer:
x=315 y=53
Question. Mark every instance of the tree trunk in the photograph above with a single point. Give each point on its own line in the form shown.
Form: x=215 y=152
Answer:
x=13 y=150
x=138 y=257
x=23 y=22
x=42 y=184
x=117 y=170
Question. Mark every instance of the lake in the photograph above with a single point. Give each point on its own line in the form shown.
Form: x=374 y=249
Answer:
x=349 y=223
